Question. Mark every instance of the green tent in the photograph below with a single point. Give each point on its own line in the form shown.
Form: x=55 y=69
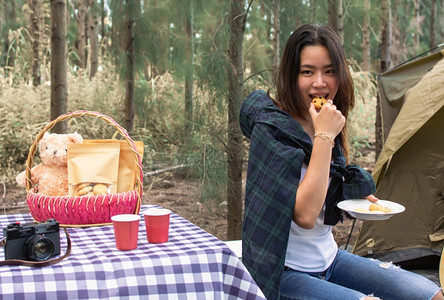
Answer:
x=410 y=167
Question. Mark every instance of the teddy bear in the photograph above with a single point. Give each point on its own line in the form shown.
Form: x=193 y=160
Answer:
x=51 y=175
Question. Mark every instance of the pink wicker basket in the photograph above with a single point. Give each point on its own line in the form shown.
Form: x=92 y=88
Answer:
x=83 y=211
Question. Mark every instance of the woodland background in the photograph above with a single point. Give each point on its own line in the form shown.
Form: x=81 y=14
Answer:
x=174 y=73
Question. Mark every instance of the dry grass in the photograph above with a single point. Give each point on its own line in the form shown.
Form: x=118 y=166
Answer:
x=361 y=120
x=24 y=111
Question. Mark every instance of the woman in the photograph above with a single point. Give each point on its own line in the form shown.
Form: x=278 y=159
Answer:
x=297 y=173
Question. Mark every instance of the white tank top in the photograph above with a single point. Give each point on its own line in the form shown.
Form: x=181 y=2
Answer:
x=311 y=250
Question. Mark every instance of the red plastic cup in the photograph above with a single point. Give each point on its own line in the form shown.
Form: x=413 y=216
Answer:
x=126 y=231
x=157 y=224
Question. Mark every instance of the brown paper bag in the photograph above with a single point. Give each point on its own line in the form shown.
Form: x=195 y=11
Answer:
x=128 y=169
x=92 y=168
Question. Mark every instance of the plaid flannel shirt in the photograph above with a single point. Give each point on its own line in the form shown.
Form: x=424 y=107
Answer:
x=278 y=147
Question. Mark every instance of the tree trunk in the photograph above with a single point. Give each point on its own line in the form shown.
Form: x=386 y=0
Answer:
x=440 y=21
x=333 y=14
x=237 y=19
x=340 y=22
x=366 y=37
x=129 y=68
x=5 y=37
x=400 y=26
x=102 y=24
x=384 y=66
x=397 y=31
x=276 y=37
x=37 y=27
x=9 y=19
x=189 y=74
x=432 y=24
x=58 y=64
x=335 y=18
x=311 y=13
x=13 y=27
x=417 y=25
x=81 y=28
x=93 y=39
x=386 y=35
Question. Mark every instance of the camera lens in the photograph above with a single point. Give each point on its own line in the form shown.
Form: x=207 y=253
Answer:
x=39 y=248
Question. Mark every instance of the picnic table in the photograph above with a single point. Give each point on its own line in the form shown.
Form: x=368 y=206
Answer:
x=193 y=264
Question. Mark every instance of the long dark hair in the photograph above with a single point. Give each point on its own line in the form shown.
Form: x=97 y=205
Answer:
x=288 y=97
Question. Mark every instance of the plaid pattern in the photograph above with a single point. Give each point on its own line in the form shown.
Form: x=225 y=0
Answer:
x=278 y=147
x=192 y=265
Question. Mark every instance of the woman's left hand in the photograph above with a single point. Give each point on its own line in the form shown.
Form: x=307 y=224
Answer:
x=372 y=198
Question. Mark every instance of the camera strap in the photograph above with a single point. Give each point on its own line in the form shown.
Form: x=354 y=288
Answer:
x=37 y=264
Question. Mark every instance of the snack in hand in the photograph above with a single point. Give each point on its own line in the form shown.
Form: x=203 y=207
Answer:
x=378 y=207
x=319 y=102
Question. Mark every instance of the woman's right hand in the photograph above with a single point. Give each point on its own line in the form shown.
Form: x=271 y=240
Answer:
x=329 y=119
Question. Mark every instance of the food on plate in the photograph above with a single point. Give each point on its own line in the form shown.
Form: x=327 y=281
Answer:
x=378 y=207
x=373 y=208
x=367 y=210
x=359 y=209
x=319 y=102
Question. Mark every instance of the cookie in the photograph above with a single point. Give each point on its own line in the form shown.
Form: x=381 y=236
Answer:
x=83 y=185
x=85 y=190
x=100 y=188
x=319 y=102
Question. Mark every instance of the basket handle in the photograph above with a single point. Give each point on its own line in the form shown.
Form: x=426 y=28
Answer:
x=80 y=113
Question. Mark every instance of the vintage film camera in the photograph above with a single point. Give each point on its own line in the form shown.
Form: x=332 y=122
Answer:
x=37 y=242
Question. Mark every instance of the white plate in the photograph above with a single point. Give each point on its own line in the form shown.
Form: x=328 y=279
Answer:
x=350 y=206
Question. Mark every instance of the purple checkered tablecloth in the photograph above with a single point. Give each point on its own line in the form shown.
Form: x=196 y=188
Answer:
x=193 y=264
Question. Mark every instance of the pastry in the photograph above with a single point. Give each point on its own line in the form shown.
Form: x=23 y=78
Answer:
x=378 y=207
x=362 y=210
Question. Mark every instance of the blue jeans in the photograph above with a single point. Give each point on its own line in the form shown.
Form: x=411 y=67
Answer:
x=354 y=277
